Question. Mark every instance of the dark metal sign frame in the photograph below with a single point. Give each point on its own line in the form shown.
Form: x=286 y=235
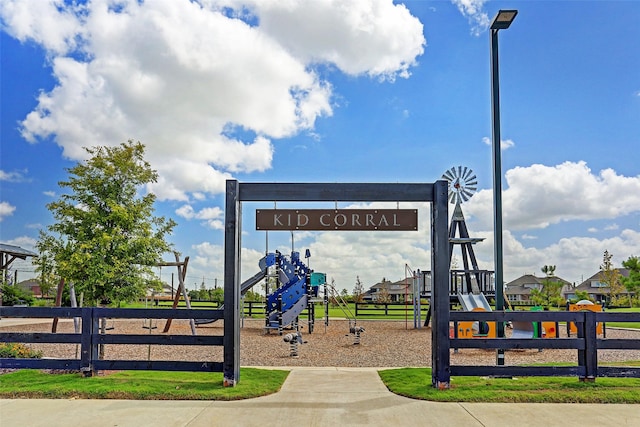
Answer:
x=436 y=194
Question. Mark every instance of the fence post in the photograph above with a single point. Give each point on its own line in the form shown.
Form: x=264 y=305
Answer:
x=88 y=350
x=591 y=347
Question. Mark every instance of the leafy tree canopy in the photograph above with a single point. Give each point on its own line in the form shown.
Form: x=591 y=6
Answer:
x=105 y=238
x=611 y=277
x=632 y=283
x=551 y=291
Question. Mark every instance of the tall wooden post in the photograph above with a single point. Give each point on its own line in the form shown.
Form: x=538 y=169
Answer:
x=232 y=248
x=440 y=363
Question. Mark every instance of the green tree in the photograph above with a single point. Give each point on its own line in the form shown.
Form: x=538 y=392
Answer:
x=251 y=296
x=582 y=295
x=550 y=293
x=383 y=296
x=47 y=276
x=105 y=238
x=13 y=294
x=611 y=277
x=217 y=295
x=632 y=283
x=358 y=291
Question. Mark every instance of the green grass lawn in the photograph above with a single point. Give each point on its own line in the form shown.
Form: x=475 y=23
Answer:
x=140 y=385
x=416 y=383
x=410 y=382
x=632 y=325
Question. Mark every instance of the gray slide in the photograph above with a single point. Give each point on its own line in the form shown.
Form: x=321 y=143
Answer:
x=244 y=287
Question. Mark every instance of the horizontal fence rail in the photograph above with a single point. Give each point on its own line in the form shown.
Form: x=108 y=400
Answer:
x=249 y=308
x=380 y=308
x=89 y=338
x=586 y=343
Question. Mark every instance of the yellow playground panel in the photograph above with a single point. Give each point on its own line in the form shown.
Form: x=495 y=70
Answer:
x=585 y=306
x=549 y=329
x=470 y=329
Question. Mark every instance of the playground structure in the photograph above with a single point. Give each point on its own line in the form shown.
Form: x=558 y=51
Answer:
x=292 y=287
x=474 y=329
x=585 y=305
x=296 y=287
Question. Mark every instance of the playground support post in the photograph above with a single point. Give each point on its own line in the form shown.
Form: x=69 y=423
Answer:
x=441 y=374
x=232 y=245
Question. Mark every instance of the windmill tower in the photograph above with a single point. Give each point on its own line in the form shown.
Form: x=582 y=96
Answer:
x=470 y=279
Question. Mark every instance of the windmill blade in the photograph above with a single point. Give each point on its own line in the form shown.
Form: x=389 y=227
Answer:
x=466 y=194
x=448 y=175
x=459 y=171
x=467 y=173
x=452 y=196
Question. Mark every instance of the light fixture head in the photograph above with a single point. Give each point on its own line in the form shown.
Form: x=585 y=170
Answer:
x=503 y=19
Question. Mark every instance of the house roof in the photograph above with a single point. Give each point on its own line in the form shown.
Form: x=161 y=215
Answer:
x=525 y=280
x=519 y=285
x=398 y=287
x=586 y=285
x=517 y=290
x=531 y=279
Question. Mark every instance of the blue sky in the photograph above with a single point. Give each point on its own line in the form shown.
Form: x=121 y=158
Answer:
x=334 y=91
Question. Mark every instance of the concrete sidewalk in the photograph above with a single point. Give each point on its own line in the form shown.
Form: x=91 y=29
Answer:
x=312 y=397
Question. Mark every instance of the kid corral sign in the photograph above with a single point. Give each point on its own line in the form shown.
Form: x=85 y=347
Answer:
x=337 y=219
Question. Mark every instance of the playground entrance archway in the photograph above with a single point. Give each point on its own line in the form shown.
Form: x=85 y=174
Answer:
x=434 y=193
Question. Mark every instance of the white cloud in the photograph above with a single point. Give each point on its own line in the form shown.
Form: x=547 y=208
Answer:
x=504 y=144
x=209 y=261
x=537 y=196
x=612 y=227
x=212 y=216
x=375 y=37
x=592 y=230
x=49 y=193
x=183 y=76
x=473 y=11
x=15 y=176
x=6 y=209
x=45 y=22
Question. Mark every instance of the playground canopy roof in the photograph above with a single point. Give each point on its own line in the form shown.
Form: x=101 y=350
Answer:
x=8 y=253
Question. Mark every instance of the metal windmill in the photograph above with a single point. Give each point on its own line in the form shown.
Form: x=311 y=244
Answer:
x=462 y=185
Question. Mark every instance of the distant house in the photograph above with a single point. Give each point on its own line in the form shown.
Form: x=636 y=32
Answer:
x=595 y=287
x=167 y=292
x=519 y=289
x=399 y=291
x=32 y=286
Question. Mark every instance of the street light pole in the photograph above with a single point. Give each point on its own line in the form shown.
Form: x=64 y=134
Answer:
x=503 y=20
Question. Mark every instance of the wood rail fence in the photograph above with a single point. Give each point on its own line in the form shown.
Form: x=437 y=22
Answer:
x=89 y=339
x=586 y=343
